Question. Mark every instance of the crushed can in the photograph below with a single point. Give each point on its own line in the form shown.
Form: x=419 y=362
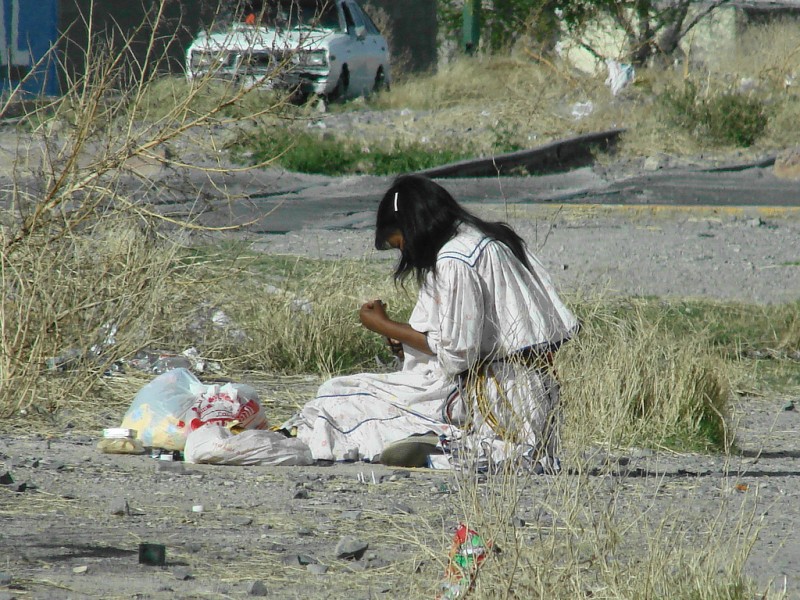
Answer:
x=467 y=554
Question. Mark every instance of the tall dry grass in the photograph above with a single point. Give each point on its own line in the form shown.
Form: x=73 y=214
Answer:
x=576 y=536
x=85 y=268
x=632 y=381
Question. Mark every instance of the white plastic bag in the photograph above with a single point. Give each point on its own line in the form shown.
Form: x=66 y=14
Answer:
x=619 y=76
x=217 y=445
x=159 y=413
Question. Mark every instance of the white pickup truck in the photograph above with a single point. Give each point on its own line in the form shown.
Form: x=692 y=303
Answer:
x=330 y=48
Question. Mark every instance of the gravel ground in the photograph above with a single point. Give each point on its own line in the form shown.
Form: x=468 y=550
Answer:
x=749 y=255
x=74 y=530
x=72 y=519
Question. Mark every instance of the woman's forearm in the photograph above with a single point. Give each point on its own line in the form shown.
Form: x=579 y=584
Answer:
x=403 y=332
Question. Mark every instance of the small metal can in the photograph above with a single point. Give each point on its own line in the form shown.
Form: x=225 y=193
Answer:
x=152 y=554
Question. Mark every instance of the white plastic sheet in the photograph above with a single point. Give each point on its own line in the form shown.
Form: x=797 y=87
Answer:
x=216 y=445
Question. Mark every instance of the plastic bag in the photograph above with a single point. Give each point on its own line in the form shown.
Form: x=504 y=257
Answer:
x=159 y=411
x=217 y=445
x=234 y=406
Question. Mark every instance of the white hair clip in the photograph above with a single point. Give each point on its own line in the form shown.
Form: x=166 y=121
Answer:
x=395 y=201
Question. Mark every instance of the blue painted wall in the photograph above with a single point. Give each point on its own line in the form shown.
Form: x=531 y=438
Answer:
x=28 y=30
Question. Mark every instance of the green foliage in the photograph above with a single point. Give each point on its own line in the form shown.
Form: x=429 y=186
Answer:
x=503 y=22
x=306 y=153
x=722 y=117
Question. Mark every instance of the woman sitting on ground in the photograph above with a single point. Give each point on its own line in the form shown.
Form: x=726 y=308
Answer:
x=477 y=350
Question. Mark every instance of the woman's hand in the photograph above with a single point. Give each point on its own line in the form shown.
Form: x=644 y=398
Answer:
x=396 y=347
x=373 y=316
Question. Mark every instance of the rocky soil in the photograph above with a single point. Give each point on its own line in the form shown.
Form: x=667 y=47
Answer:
x=72 y=518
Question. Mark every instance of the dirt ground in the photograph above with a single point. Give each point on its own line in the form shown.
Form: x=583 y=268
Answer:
x=72 y=518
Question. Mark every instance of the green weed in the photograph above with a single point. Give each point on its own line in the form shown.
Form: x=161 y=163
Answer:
x=308 y=153
x=723 y=117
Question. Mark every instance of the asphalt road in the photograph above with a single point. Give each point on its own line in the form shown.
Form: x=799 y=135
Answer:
x=343 y=203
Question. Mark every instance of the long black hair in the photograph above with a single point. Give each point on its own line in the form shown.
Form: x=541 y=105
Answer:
x=427 y=217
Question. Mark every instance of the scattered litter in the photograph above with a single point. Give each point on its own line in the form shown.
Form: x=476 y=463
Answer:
x=741 y=487
x=197 y=508
x=582 y=109
x=619 y=76
x=160 y=409
x=361 y=478
x=120 y=440
x=467 y=554
x=80 y=570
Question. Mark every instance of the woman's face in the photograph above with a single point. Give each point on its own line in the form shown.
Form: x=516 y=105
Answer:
x=396 y=240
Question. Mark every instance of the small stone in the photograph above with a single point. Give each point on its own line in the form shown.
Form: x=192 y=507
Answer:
x=352 y=515
x=193 y=547
x=351 y=548
x=789 y=406
x=182 y=573
x=168 y=466
x=304 y=532
x=652 y=163
x=243 y=521
x=359 y=566
x=5 y=578
x=378 y=563
x=298 y=560
x=787 y=164
x=402 y=509
x=517 y=522
x=6 y=479
x=757 y=222
x=120 y=507
x=80 y=570
x=317 y=568
x=301 y=494
x=257 y=588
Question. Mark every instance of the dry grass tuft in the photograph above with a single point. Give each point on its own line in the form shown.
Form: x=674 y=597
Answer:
x=631 y=381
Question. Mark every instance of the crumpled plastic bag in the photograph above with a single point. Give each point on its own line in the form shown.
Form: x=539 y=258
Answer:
x=619 y=76
x=217 y=445
x=159 y=410
x=235 y=406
